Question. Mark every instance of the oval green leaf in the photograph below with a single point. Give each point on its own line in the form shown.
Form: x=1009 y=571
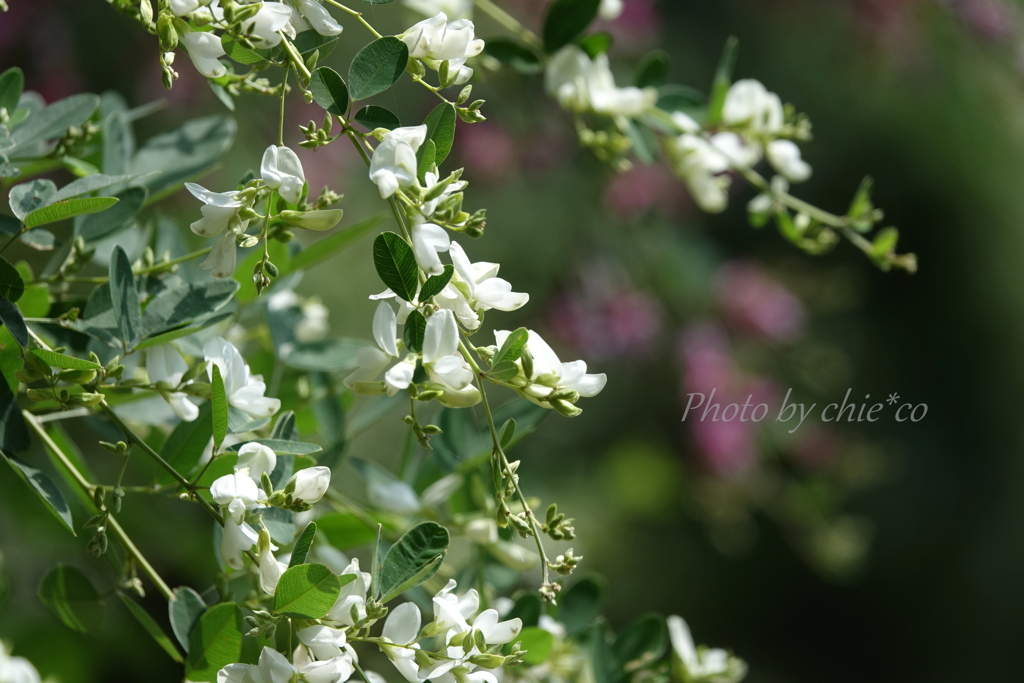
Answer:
x=220 y=409
x=567 y=19
x=373 y=117
x=441 y=129
x=376 y=67
x=69 y=596
x=396 y=264
x=435 y=283
x=44 y=488
x=329 y=90
x=581 y=604
x=215 y=642
x=308 y=591
x=184 y=610
x=303 y=545
x=59 y=360
x=413 y=559
x=11 y=284
x=124 y=297
x=152 y=628
x=69 y=208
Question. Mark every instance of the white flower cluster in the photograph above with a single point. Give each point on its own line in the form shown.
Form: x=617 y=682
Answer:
x=274 y=667
x=265 y=28
x=754 y=124
x=436 y=40
x=244 y=390
x=16 y=669
x=467 y=635
x=700 y=664
x=229 y=212
x=582 y=84
x=241 y=492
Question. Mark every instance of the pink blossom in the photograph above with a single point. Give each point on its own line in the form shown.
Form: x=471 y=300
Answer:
x=753 y=302
x=488 y=149
x=644 y=188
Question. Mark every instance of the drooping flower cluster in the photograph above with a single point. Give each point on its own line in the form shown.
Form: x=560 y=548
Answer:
x=582 y=84
x=436 y=40
x=754 y=126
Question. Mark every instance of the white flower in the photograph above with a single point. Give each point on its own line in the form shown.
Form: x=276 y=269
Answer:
x=440 y=352
x=456 y=9
x=451 y=613
x=352 y=597
x=274 y=667
x=699 y=164
x=483 y=530
x=281 y=170
x=270 y=22
x=749 y=104
x=309 y=485
x=582 y=84
x=428 y=240
x=257 y=459
x=323 y=641
x=236 y=492
x=485 y=289
x=244 y=391
x=204 y=49
x=609 y=10
x=371 y=361
x=313 y=326
x=438 y=40
x=236 y=538
x=271 y=568
x=220 y=215
x=180 y=8
x=738 y=150
x=497 y=632
x=702 y=664
x=430 y=180
x=402 y=627
x=16 y=669
x=165 y=364
x=784 y=155
x=550 y=374
x=318 y=17
x=394 y=165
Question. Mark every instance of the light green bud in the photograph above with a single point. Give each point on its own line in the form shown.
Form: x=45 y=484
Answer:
x=323 y=219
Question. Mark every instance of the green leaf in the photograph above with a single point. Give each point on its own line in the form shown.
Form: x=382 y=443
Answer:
x=641 y=642
x=41 y=485
x=513 y=347
x=596 y=43
x=426 y=158
x=327 y=355
x=463 y=445
x=180 y=305
x=184 y=152
x=152 y=628
x=415 y=328
x=184 y=610
x=376 y=67
x=118 y=143
x=565 y=20
x=215 y=642
x=220 y=409
x=396 y=264
x=185 y=446
x=52 y=121
x=329 y=90
x=324 y=249
x=373 y=117
x=413 y=559
x=537 y=642
x=503 y=370
x=508 y=431
x=124 y=297
x=308 y=591
x=514 y=54
x=581 y=604
x=688 y=100
x=645 y=143
x=116 y=218
x=652 y=70
x=307 y=42
x=346 y=531
x=59 y=360
x=283 y=446
x=69 y=596
x=12 y=82
x=68 y=208
x=527 y=609
x=13 y=431
x=91 y=183
x=240 y=54
x=441 y=129
x=435 y=283
x=11 y=317
x=27 y=197
x=723 y=79
x=11 y=284
x=303 y=545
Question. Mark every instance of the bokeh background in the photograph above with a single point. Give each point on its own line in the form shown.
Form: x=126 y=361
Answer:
x=883 y=552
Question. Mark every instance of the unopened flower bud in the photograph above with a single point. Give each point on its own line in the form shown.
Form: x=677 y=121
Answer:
x=167 y=33
x=487 y=661
x=77 y=376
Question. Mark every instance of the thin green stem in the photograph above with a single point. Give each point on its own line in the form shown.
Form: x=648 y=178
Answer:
x=358 y=16
x=504 y=464
x=89 y=489
x=509 y=22
x=280 y=123
x=155 y=268
x=14 y=238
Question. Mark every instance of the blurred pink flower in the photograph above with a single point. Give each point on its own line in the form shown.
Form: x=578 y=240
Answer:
x=816 y=446
x=990 y=19
x=636 y=28
x=726 y=448
x=642 y=188
x=606 y=317
x=488 y=150
x=753 y=302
